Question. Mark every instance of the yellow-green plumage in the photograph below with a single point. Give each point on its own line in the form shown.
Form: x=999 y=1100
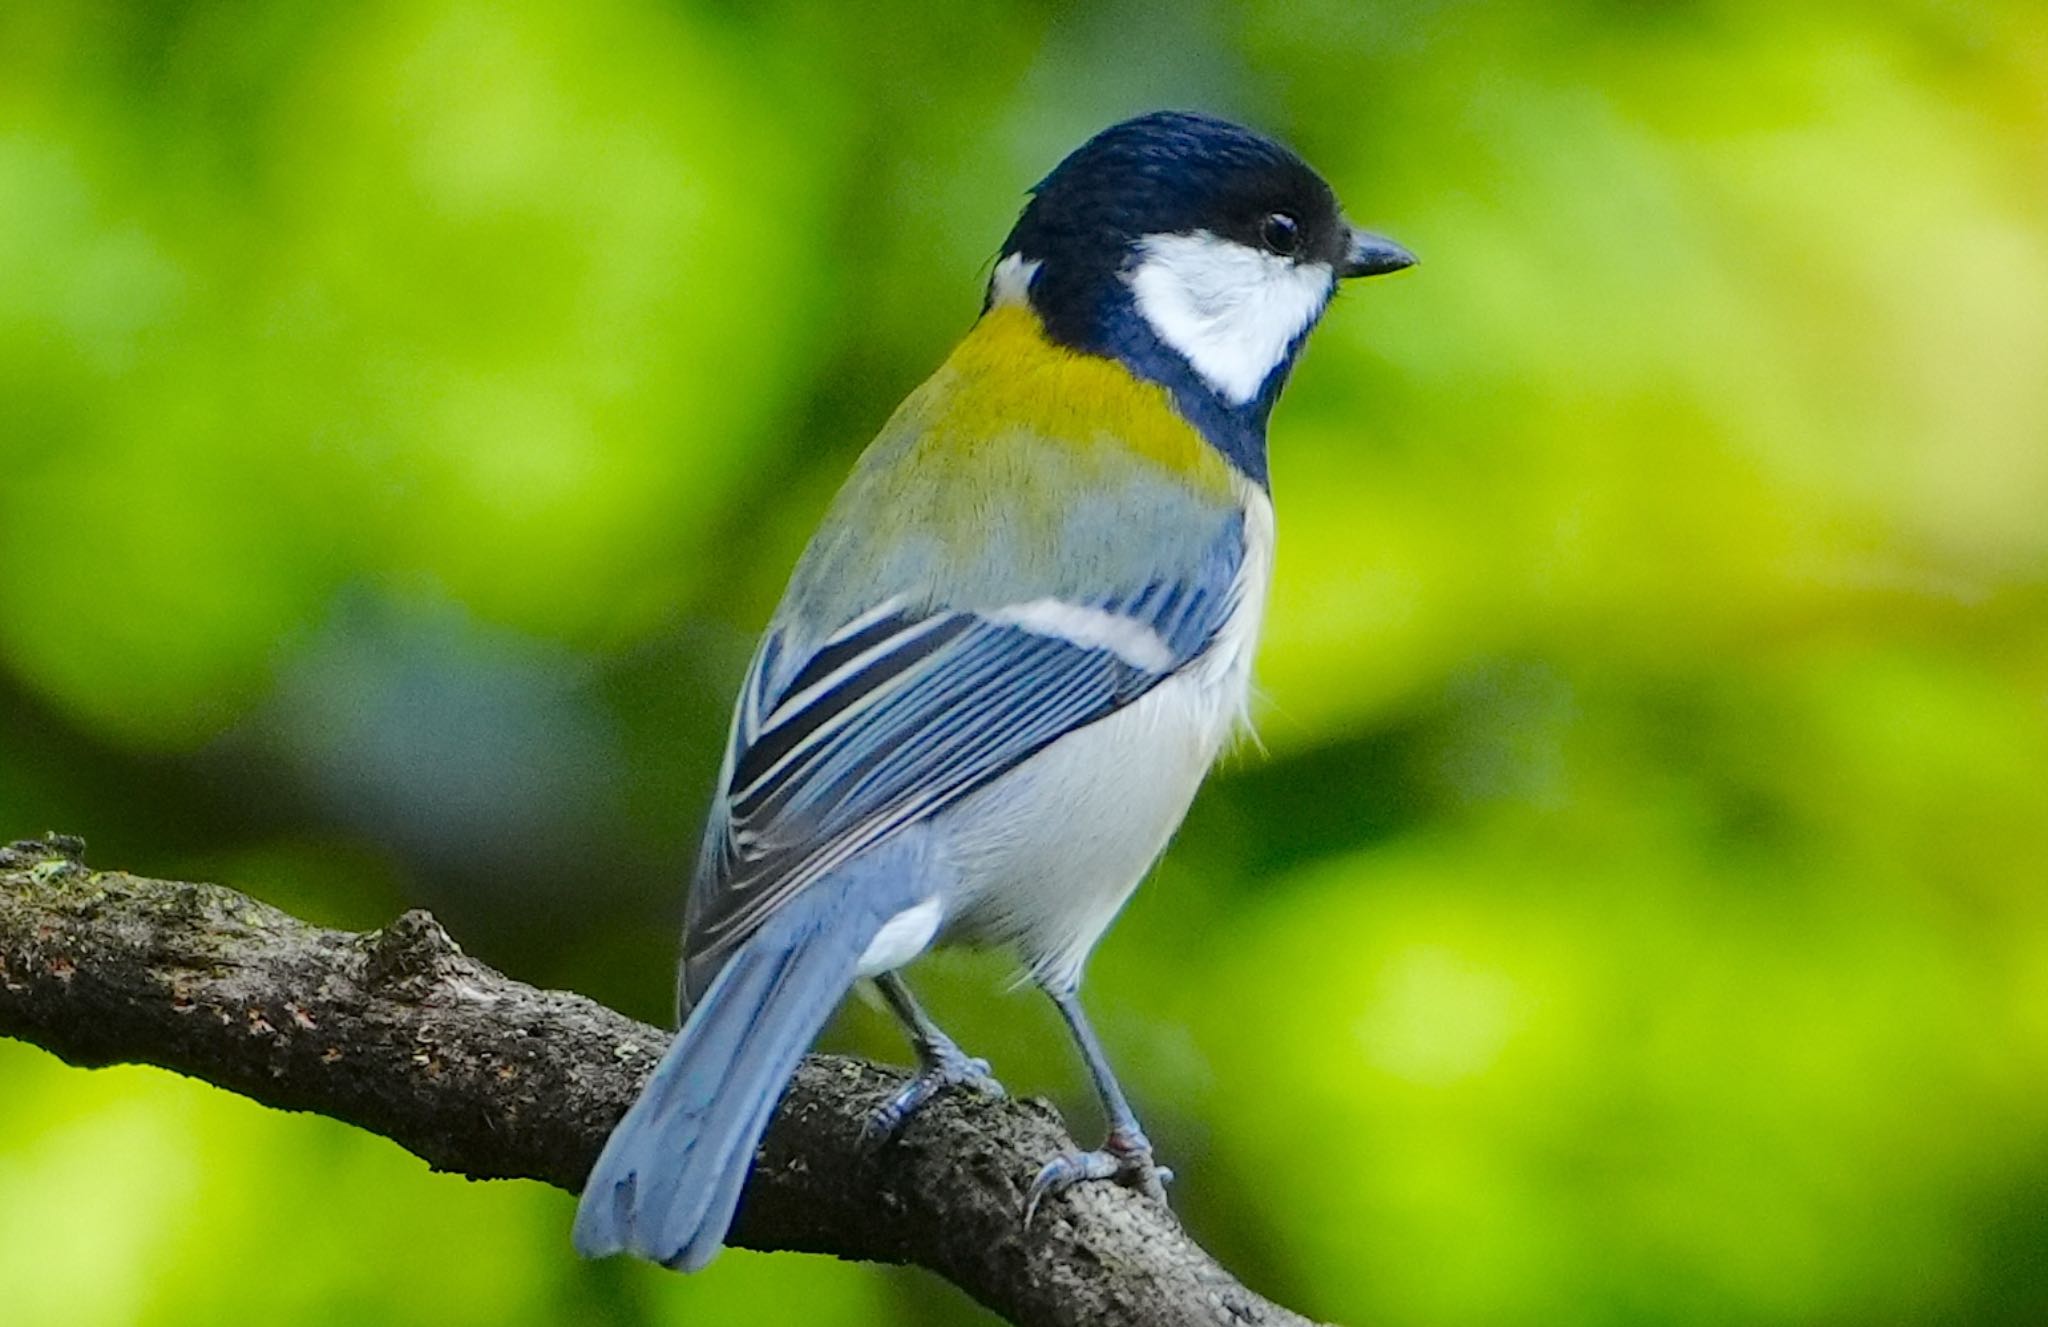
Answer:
x=1023 y=469
x=1007 y=379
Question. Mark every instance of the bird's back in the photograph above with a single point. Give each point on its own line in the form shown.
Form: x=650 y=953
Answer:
x=1023 y=470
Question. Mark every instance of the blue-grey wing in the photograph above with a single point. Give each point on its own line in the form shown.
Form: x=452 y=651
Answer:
x=899 y=714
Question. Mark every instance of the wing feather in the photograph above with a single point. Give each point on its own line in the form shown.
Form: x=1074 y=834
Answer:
x=897 y=715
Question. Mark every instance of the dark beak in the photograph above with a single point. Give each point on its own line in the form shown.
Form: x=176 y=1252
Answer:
x=1373 y=255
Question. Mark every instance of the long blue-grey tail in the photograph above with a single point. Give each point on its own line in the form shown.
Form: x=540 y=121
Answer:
x=669 y=1179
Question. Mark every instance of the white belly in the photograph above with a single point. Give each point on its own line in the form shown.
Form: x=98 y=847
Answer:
x=1048 y=854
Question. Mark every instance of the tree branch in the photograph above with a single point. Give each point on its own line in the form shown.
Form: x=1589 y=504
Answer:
x=400 y=1033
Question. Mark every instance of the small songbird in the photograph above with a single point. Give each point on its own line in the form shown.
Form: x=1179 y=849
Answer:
x=1005 y=661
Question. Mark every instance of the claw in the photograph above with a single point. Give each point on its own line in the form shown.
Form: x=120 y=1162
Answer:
x=946 y=1070
x=1123 y=1157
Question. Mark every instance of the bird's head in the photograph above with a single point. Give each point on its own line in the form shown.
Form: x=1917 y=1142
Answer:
x=1193 y=250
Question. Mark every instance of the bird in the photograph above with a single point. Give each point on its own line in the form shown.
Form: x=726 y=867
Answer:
x=1005 y=661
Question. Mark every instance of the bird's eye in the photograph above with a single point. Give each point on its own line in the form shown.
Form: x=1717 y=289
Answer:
x=1281 y=233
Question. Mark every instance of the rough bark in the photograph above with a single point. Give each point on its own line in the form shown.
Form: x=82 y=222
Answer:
x=399 y=1032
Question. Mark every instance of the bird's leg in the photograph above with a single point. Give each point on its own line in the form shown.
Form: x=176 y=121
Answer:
x=941 y=1063
x=1126 y=1154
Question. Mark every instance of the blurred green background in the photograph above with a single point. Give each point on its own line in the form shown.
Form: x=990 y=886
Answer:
x=408 y=413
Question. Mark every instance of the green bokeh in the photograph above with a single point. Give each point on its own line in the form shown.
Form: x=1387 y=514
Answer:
x=1638 y=912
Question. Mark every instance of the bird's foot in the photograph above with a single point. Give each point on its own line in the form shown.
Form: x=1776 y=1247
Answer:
x=1125 y=1156
x=944 y=1067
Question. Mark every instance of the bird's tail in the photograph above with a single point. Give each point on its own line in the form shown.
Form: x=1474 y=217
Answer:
x=669 y=1179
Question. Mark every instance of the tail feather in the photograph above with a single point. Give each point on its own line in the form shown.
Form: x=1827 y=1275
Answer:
x=670 y=1177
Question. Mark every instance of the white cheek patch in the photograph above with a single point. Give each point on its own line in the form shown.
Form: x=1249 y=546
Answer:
x=1229 y=309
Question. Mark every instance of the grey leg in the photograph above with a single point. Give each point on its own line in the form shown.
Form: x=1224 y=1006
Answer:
x=941 y=1063
x=1126 y=1154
